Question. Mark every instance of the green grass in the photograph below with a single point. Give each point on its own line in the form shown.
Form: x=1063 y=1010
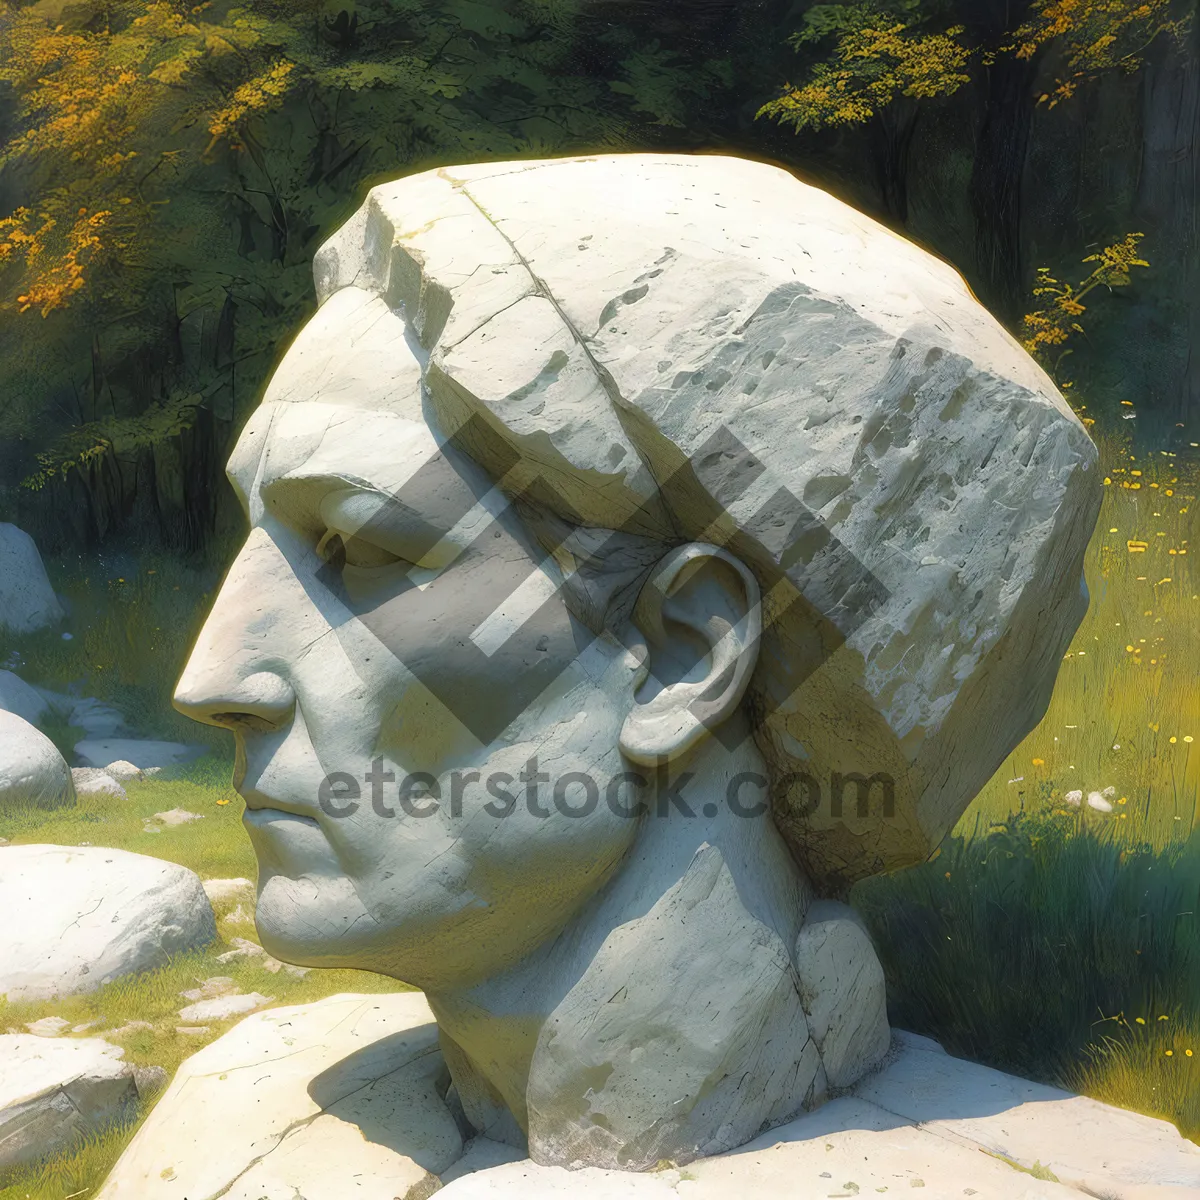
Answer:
x=76 y=1173
x=215 y=847
x=131 y=634
x=1125 y=712
x=1029 y=946
x=1152 y=1059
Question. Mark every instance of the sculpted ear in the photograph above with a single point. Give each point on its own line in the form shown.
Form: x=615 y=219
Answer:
x=701 y=619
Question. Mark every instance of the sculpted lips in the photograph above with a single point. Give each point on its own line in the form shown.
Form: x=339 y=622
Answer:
x=262 y=818
x=288 y=844
x=259 y=805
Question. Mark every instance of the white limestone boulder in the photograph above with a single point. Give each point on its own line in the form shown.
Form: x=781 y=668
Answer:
x=27 y=601
x=703 y=347
x=97 y=719
x=79 y=917
x=338 y=1098
x=17 y=696
x=55 y=1092
x=32 y=771
x=91 y=781
x=122 y=770
x=843 y=992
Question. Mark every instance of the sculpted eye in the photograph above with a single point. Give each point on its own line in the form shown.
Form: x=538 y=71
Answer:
x=343 y=550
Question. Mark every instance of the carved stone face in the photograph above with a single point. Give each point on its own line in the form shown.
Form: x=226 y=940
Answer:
x=369 y=619
x=844 y=495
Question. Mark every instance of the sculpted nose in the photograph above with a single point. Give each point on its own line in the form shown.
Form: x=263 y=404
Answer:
x=257 y=702
x=233 y=677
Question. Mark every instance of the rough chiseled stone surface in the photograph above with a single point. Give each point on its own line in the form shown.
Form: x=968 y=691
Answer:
x=926 y=1120
x=843 y=992
x=712 y=407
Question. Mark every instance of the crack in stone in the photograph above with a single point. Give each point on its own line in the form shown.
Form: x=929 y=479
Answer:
x=954 y=1139
x=603 y=375
x=303 y=1122
x=447 y=347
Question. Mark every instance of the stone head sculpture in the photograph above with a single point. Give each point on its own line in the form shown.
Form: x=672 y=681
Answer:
x=642 y=550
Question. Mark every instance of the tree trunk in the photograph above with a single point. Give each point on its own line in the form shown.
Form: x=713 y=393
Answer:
x=995 y=188
x=1167 y=205
x=1005 y=96
x=891 y=142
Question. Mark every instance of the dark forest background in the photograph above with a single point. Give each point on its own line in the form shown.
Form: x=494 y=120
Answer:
x=167 y=171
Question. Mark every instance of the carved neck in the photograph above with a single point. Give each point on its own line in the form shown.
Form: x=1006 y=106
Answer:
x=631 y=1036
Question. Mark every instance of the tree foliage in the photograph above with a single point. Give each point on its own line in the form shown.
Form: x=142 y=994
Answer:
x=168 y=168
x=1094 y=36
x=881 y=51
x=878 y=55
x=882 y=63
x=1057 y=322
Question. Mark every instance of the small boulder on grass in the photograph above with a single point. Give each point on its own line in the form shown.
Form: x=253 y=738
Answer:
x=221 y=1008
x=92 y=782
x=32 y=771
x=217 y=985
x=123 y=770
x=52 y=1092
x=242 y=948
x=178 y=816
x=222 y=891
x=96 y=719
x=48 y=1026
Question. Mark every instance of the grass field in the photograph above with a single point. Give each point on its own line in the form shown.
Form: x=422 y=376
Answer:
x=1125 y=713
x=1055 y=933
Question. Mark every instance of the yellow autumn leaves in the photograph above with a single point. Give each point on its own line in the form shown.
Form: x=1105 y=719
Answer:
x=1053 y=324
x=65 y=257
x=253 y=96
x=92 y=101
x=871 y=65
x=1094 y=36
x=879 y=55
